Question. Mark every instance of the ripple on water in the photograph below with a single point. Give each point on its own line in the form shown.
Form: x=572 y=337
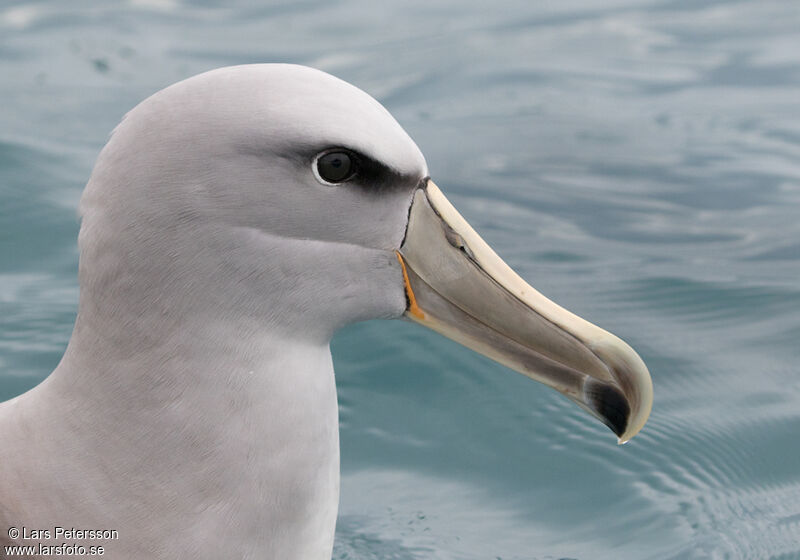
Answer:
x=38 y=283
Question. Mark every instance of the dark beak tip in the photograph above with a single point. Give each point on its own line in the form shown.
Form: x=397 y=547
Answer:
x=610 y=405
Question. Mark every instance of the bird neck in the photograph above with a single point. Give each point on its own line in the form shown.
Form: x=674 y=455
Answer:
x=211 y=427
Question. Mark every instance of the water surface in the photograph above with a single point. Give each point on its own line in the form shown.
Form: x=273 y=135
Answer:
x=637 y=161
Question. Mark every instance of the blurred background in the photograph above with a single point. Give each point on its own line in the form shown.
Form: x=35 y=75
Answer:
x=638 y=161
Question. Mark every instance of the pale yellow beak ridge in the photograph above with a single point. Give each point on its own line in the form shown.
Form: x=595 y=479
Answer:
x=458 y=286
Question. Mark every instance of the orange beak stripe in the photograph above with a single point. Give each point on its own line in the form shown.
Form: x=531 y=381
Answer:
x=413 y=308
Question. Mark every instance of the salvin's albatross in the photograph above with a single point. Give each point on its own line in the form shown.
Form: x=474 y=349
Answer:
x=233 y=222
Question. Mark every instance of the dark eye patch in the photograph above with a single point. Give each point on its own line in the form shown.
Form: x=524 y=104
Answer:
x=365 y=173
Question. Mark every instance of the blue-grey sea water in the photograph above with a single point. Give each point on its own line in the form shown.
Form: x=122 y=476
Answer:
x=638 y=161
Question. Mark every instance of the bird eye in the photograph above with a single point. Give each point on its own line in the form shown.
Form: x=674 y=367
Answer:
x=335 y=167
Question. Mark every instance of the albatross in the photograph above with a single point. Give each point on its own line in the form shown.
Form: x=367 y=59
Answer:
x=232 y=224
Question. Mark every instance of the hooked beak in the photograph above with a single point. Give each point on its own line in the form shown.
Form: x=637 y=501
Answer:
x=458 y=286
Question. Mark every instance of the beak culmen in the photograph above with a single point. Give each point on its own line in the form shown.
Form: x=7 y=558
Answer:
x=458 y=286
